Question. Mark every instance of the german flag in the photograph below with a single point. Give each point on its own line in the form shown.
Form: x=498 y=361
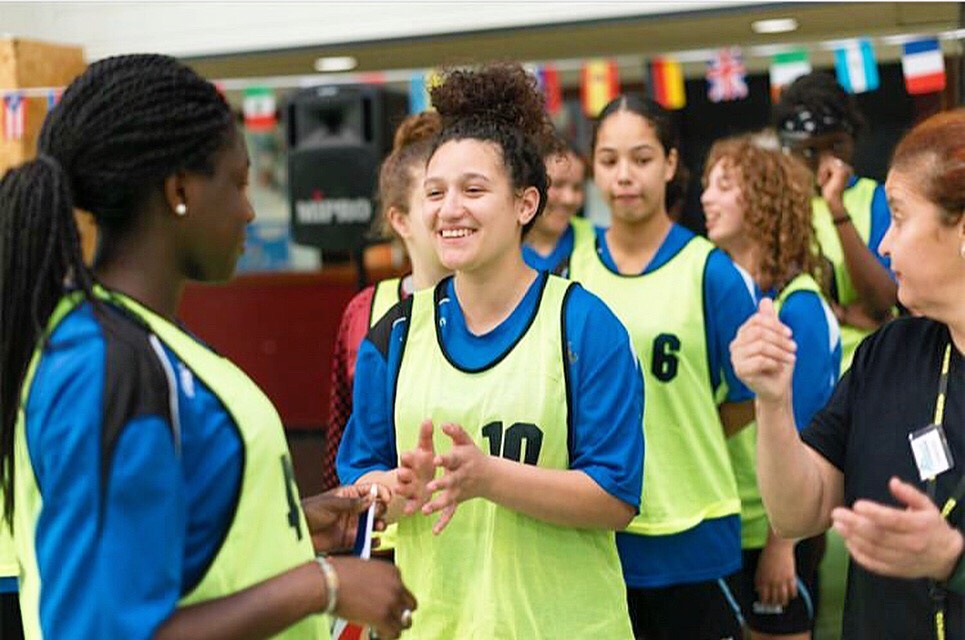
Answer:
x=667 y=83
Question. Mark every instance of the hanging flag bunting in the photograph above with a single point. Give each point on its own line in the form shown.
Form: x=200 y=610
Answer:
x=419 y=85
x=856 y=67
x=418 y=94
x=549 y=81
x=600 y=83
x=923 y=66
x=53 y=97
x=727 y=76
x=372 y=77
x=14 y=116
x=786 y=68
x=259 y=109
x=667 y=83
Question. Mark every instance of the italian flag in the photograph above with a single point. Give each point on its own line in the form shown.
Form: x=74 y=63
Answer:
x=786 y=68
x=259 y=109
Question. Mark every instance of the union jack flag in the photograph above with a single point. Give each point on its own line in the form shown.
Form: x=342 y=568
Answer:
x=727 y=76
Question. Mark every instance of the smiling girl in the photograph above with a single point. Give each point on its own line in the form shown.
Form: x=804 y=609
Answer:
x=503 y=384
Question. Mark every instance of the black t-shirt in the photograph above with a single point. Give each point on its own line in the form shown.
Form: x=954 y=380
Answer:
x=889 y=392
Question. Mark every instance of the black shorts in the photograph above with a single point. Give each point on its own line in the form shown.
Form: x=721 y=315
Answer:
x=799 y=614
x=699 y=611
x=10 y=626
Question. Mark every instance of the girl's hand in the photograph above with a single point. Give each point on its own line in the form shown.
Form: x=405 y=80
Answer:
x=464 y=476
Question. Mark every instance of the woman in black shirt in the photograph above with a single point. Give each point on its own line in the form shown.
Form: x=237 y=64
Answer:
x=870 y=463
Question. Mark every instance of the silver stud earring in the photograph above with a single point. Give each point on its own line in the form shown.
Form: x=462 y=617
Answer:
x=181 y=209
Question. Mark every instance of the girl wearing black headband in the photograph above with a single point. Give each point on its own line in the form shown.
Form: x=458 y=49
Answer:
x=817 y=121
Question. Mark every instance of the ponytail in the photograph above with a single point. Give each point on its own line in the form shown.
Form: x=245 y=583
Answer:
x=39 y=252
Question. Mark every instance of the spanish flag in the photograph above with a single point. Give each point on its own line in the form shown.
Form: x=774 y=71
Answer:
x=600 y=84
x=667 y=83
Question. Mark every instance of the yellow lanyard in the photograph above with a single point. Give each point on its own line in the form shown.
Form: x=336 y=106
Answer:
x=937 y=592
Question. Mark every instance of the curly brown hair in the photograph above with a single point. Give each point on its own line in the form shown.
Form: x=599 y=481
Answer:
x=776 y=190
x=411 y=146
x=500 y=103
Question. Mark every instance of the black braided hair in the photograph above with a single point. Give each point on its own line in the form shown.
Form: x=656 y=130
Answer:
x=121 y=128
x=819 y=93
x=500 y=103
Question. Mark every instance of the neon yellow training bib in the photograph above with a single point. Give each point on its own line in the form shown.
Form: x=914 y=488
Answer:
x=495 y=573
x=687 y=475
x=261 y=541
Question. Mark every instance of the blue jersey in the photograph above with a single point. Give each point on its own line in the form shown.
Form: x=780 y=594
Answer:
x=560 y=253
x=880 y=221
x=130 y=525
x=818 y=338
x=711 y=549
x=600 y=352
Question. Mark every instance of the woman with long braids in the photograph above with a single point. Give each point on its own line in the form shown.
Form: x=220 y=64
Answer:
x=519 y=387
x=147 y=478
x=758 y=208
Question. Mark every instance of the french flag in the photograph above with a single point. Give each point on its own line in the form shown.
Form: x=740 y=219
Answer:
x=923 y=66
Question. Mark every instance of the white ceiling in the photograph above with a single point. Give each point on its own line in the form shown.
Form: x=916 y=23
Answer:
x=193 y=29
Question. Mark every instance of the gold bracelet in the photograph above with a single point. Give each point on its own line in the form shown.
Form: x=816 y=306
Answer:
x=331 y=582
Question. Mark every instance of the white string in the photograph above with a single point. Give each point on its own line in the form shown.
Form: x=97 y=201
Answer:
x=570 y=64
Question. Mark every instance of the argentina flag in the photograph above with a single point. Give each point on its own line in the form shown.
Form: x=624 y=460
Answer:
x=856 y=67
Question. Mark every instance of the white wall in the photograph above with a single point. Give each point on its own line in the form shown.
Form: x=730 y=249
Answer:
x=201 y=28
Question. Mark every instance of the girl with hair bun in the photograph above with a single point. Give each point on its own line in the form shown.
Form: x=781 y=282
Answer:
x=146 y=478
x=400 y=215
x=682 y=301
x=504 y=384
x=758 y=208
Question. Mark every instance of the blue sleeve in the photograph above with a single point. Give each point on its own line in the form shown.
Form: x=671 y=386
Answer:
x=368 y=443
x=606 y=398
x=880 y=221
x=818 y=354
x=728 y=303
x=116 y=574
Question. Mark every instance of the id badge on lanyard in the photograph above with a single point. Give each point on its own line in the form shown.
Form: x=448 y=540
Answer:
x=933 y=456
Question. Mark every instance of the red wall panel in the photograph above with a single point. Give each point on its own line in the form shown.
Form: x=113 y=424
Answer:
x=280 y=329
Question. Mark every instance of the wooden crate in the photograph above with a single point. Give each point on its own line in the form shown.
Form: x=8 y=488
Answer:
x=29 y=63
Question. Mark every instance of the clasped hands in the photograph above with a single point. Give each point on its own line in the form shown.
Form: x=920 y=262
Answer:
x=464 y=472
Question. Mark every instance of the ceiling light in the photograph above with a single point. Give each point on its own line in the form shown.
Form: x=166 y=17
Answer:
x=777 y=25
x=335 y=63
